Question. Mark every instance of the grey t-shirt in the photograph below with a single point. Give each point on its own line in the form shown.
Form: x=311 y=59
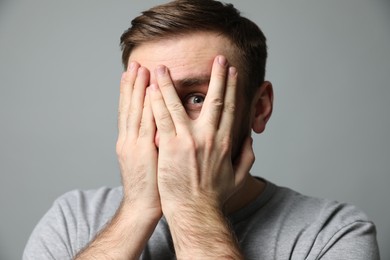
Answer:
x=279 y=224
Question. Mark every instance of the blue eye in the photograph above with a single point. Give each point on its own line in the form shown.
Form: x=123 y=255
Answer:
x=194 y=102
x=195 y=99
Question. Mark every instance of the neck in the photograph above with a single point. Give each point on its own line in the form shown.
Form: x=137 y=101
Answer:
x=251 y=189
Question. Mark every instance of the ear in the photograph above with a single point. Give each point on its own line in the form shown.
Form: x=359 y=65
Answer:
x=262 y=106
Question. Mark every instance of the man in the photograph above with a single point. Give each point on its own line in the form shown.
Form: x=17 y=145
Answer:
x=192 y=91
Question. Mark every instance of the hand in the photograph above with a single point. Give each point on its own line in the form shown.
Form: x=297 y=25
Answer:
x=136 y=150
x=137 y=217
x=196 y=175
x=195 y=161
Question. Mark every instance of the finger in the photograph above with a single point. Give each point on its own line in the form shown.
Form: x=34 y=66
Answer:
x=137 y=102
x=229 y=104
x=161 y=114
x=212 y=107
x=244 y=162
x=147 y=129
x=126 y=89
x=171 y=99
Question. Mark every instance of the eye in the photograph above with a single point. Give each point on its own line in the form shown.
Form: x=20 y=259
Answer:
x=194 y=101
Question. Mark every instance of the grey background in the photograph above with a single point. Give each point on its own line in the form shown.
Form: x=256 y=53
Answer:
x=329 y=62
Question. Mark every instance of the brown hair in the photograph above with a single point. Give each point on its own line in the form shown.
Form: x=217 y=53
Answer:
x=186 y=16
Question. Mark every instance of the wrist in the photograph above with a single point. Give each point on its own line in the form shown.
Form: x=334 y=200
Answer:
x=124 y=237
x=139 y=213
x=202 y=231
x=197 y=203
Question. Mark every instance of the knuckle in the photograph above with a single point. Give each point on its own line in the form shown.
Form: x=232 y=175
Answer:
x=122 y=155
x=220 y=73
x=217 y=102
x=121 y=113
x=164 y=121
x=164 y=116
x=118 y=149
x=122 y=151
x=165 y=84
x=225 y=145
x=123 y=80
x=209 y=140
x=143 y=130
x=124 y=103
x=133 y=110
x=164 y=126
x=131 y=114
x=124 y=84
x=229 y=107
x=176 y=107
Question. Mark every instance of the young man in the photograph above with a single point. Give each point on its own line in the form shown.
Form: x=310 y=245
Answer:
x=192 y=91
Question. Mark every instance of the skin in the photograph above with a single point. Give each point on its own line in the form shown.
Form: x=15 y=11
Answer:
x=175 y=148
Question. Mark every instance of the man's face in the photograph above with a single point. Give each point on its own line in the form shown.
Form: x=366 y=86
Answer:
x=189 y=59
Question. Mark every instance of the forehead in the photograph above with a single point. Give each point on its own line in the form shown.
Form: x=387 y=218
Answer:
x=185 y=55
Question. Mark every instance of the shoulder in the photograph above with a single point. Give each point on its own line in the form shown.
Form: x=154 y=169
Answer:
x=309 y=209
x=87 y=210
x=92 y=208
x=91 y=200
x=325 y=228
x=291 y=225
x=279 y=205
x=72 y=221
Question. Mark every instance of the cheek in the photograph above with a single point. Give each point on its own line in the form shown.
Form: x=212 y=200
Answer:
x=193 y=114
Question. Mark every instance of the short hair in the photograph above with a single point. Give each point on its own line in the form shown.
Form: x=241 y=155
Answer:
x=182 y=17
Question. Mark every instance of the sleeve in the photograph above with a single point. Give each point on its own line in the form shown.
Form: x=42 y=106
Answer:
x=55 y=236
x=344 y=232
x=74 y=219
x=355 y=241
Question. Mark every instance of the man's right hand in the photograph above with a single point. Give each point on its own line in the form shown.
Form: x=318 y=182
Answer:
x=134 y=222
x=136 y=149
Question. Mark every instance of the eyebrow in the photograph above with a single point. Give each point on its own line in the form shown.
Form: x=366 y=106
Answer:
x=192 y=82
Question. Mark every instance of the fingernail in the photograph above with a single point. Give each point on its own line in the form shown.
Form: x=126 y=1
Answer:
x=131 y=66
x=232 y=71
x=140 y=70
x=161 y=70
x=222 y=61
x=123 y=76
